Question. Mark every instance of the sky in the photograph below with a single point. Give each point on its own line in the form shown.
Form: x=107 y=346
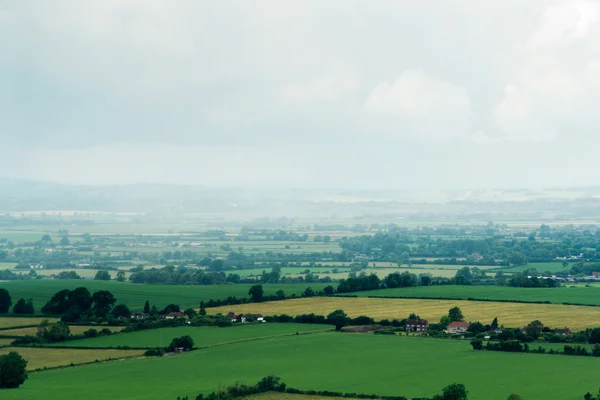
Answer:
x=317 y=94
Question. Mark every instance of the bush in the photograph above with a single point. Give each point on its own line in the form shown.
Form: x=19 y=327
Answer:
x=154 y=352
x=90 y=333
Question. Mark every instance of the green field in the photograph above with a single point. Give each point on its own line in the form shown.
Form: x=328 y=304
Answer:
x=135 y=295
x=579 y=295
x=554 y=266
x=390 y=365
x=203 y=336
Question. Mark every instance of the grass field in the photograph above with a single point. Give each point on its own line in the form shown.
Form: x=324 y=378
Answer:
x=389 y=365
x=9 y=322
x=75 y=330
x=135 y=295
x=580 y=295
x=541 y=267
x=508 y=314
x=287 y=396
x=40 y=357
x=203 y=336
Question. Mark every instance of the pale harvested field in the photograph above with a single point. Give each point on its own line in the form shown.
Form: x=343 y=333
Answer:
x=508 y=314
x=43 y=357
x=7 y=322
x=75 y=330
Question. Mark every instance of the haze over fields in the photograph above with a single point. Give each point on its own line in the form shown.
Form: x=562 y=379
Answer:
x=379 y=95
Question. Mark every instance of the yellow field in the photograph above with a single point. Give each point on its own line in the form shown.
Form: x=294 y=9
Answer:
x=509 y=314
x=4 y=341
x=75 y=330
x=287 y=396
x=18 y=321
x=40 y=357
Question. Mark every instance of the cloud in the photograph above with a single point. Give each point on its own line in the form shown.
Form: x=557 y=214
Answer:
x=327 y=89
x=421 y=106
x=566 y=22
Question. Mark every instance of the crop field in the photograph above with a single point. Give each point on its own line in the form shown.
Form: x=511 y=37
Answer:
x=5 y=341
x=9 y=322
x=135 y=295
x=75 y=330
x=580 y=295
x=327 y=361
x=203 y=336
x=48 y=358
x=84 y=273
x=508 y=314
x=291 y=271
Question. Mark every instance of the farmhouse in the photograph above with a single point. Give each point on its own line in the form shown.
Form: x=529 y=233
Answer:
x=173 y=315
x=256 y=317
x=140 y=315
x=563 y=332
x=457 y=327
x=233 y=316
x=417 y=325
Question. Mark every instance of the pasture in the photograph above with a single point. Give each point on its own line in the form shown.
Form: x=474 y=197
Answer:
x=49 y=358
x=508 y=314
x=409 y=366
x=203 y=336
x=13 y=322
x=580 y=295
x=135 y=295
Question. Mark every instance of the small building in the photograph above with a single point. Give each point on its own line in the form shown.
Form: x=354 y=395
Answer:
x=457 y=327
x=563 y=332
x=596 y=274
x=173 y=315
x=233 y=317
x=256 y=317
x=417 y=325
x=140 y=315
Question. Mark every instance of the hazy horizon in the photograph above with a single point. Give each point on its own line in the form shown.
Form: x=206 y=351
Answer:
x=344 y=95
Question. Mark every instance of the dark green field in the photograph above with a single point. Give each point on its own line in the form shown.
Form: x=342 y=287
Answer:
x=579 y=295
x=135 y=295
x=390 y=365
x=203 y=336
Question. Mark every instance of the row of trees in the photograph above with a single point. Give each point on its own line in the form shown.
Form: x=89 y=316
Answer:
x=22 y=306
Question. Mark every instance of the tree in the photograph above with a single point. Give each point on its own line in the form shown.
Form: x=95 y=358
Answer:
x=476 y=327
x=534 y=329
x=256 y=293
x=102 y=276
x=190 y=312
x=23 y=307
x=103 y=302
x=455 y=314
x=202 y=309
x=58 y=304
x=338 y=318
x=170 y=308
x=153 y=310
x=185 y=341
x=121 y=311
x=64 y=241
x=456 y=391
x=56 y=332
x=308 y=292
x=147 y=307
x=120 y=276
x=5 y=301
x=13 y=370
x=494 y=324
x=514 y=396
x=445 y=321
x=413 y=316
x=280 y=294
x=46 y=238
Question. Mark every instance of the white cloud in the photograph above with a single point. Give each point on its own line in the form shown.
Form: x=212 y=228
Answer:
x=421 y=106
x=566 y=22
x=327 y=89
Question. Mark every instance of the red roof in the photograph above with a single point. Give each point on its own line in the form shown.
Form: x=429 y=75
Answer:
x=459 y=324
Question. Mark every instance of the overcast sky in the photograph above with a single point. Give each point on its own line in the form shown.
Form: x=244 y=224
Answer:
x=359 y=94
